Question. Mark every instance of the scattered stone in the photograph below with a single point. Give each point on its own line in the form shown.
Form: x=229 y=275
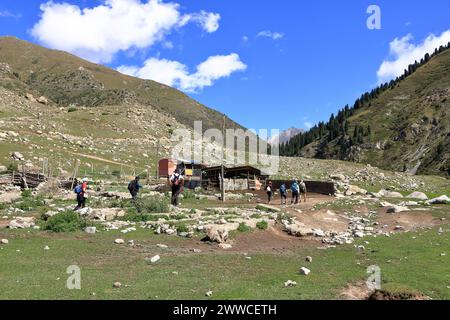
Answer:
x=309 y=259
x=90 y=230
x=439 y=200
x=17 y=156
x=131 y=243
x=290 y=283
x=418 y=195
x=46 y=248
x=119 y=241
x=196 y=250
x=117 y=285
x=209 y=293
x=217 y=235
x=352 y=190
x=397 y=209
x=155 y=259
x=304 y=271
x=4 y=241
x=42 y=100
x=162 y=246
x=21 y=223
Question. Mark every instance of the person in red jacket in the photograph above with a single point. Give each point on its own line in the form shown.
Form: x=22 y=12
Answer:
x=84 y=184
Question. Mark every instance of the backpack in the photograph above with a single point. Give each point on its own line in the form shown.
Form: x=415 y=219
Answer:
x=283 y=189
x=295 y=188
x=176 y=180
x=78 y=189
x=131 y=186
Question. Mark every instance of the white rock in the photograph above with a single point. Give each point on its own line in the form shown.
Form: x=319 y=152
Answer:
x=119 y=241
x=90 y=230
x=397 y=209
x=225 y=246
x=4 y=241
x=209 y=293
x=418 y=195
x=439 y=200
x=290 y=283
x=117 y=285
x=309 y=259
x=162 y=246
x=304 y=271
x=155 y=259
x=46 y=248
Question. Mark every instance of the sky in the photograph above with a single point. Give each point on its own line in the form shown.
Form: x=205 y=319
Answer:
x=266 y=64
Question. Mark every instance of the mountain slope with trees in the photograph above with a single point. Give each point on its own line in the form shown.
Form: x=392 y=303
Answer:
x=403 y=125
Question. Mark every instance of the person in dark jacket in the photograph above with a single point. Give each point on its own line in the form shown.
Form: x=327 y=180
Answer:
x=283 y=194
x=176 y=183
x=134 y=187
x=269 y=191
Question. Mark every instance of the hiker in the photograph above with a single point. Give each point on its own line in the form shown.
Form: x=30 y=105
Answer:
x=269 y=191
x=176 y=183
x=303 y=191
x=283 y=193
x=295 y=188
x=134 y=187
x=80 y=191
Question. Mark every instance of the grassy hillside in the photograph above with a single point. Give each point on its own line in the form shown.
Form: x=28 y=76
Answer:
x=68 y=80
x=409 y=125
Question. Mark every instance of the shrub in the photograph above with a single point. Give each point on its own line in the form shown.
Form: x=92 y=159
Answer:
x=243 y=227
x=26 y=193
x=72 y=109
x=153 y=205
x=262 y=225
x=66 y=222
x=116 y=173
x=13 y=166
x=182 y=228
x=255 y=216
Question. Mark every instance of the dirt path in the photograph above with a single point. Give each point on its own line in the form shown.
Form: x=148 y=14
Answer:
x=100 y=159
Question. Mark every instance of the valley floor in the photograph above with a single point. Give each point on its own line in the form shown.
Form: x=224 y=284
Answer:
x=414 y=260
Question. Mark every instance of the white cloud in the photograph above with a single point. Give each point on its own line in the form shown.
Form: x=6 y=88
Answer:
x=100 y=32
x=308 y=125
x=176 y=74
x=270 y=34
x=404 y=53
x=208 y=21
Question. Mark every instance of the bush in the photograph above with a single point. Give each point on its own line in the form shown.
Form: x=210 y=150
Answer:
x=116 y=173
x=66 y=222
x=26 y=193
x=182 y=228
x=72 y=109
x=154 y=205
x=243 y=227
x=262 y=225
x=13 y=166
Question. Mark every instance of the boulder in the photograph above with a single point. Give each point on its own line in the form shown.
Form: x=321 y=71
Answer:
x=337 y=177
x=3 y=169
x=4 y=241
x=418 y=195
x=387 y=194
x=298 y=230
x=351 y=190
x=21 y=223
x=30 y=97
x=119 y=241
x=17 y=156
x=397 y=209
x=217 y=235
x=225 y=246
x=42 y=100
x=439 y=200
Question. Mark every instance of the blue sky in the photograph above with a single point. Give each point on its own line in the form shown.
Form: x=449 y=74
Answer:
x=266 y=64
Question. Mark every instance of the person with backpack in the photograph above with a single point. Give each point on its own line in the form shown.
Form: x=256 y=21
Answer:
x=269 y=191
x=80 y=191
x=134 y=187
x=283 y=193
x=303 y=191
x=176 y=183
x=295 y=188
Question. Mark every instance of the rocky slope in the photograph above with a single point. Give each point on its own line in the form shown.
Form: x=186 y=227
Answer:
x=409 y=125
